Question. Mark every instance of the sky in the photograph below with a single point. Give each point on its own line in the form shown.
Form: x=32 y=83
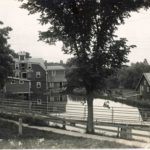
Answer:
x=24 y=36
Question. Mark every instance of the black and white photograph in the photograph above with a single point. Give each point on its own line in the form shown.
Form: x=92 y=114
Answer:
x=74 y=74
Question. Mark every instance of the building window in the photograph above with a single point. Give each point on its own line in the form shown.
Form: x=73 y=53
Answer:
x=144 y=82
x=57 y=85
x=53 y=73
x=60 y=98
x=17 y=74
x=51 y=99
x=29 y=66
x=148 y=89
x=16 y=66
x=38 y=84
x=39 y=101
x=56 y=98
x=21 y=82
x=38 y=74
x=13 y=82
x=24 y=75
x=61 y=84
x=51 y=85
x=22 y=57
x=23 y=66
x=141 y=89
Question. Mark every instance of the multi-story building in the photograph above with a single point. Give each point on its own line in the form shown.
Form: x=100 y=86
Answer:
x=32 y=69
x=56 y=82
x=35 y=80
x=56 y=76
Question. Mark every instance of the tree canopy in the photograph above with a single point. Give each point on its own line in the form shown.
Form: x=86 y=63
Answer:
x=5 y=54
x=129 y=77
x=87 y=30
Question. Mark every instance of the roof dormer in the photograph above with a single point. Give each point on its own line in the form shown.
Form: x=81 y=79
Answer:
x=22 y=56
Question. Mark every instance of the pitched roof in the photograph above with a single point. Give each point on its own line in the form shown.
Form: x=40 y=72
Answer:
x=55 y=68
x=147 y=77
x=37 y=60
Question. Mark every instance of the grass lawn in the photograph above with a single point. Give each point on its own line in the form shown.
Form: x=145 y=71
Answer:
x=33 y=138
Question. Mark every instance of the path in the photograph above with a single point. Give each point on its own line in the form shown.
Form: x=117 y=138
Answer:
x=96 y=137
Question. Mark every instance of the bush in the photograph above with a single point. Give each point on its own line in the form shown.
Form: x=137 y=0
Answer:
x=28 y=120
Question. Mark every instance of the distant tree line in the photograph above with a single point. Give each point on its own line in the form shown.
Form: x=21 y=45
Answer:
x=128 y=76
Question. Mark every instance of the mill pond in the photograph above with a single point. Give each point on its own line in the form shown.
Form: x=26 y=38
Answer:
x=104 y=110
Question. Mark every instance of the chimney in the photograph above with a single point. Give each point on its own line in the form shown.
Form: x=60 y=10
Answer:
x=61 y=62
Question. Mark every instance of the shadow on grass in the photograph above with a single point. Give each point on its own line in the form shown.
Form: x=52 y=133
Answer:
x=33 y=138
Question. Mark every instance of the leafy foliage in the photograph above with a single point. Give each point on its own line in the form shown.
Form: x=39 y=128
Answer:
x=130 y=76
x=28 y=55
x=112 y=81
x=5 y=55
x=87 y=30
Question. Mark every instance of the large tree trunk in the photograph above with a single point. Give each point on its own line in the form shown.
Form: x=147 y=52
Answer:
x=90 y=124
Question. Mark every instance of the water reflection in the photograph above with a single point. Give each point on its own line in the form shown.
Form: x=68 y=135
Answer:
x=57 y=103
x=104 y=110
x=97 y=101
x=75 y=107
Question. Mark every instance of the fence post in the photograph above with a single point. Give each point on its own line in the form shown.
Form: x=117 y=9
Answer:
x=47 y=105
x=30 y=106
x=149 y=134
x=20 y=126
x=84 y=112
x=118 y=131
x=126 y=132
x=64 y=124
x=112 y=115
x=139 y=116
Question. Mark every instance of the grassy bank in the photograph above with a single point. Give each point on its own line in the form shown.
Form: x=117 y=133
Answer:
x=129 y=101
x=33 y=138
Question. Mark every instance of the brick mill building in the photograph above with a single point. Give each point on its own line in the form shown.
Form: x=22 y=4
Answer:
x=35 y=81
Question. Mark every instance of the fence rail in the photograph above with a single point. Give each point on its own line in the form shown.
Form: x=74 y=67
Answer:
x=76 y=115
x=65 y=110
